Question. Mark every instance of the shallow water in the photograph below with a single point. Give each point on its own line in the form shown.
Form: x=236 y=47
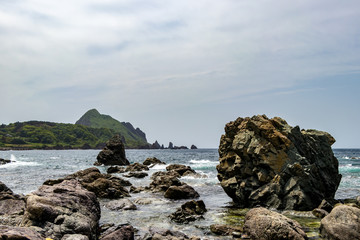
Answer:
x=32 y=168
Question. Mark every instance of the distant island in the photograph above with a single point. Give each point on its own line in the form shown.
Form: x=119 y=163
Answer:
x=91 y=131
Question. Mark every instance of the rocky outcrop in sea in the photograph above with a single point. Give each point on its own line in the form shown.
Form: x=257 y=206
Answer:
x=267 y=162
x=113 y=153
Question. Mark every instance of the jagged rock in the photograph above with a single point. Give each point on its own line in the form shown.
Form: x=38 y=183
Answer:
x=179 y=168
x=155 y=145
x=136 y=167
x=122 y=204
x=152 y=161
x=319 y=213
x=171 y=145
x=189 y=212
x=19 y=233
x=136 y=174
x=64 y=208
x=123 y=232
x=342 y=223
x=266 y=162
x=115 y=169
x=261 y=223
x=103 y=185
x=193 y=147
x=225 y=230
x=113 y=153
x=12 y=206
x=181 y=192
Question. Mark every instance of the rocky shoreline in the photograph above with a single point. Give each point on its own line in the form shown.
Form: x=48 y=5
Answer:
x=282 y=181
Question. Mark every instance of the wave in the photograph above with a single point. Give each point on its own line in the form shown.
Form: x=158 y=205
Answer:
x=16 y=163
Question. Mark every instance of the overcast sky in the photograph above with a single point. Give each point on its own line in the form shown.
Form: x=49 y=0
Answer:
x=180 y=70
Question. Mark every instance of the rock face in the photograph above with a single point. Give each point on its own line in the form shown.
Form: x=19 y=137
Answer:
x=342 y=223
x=261 y=223
x=266 y=162
x=12 y=206
x=113 y=153
x=63 y=209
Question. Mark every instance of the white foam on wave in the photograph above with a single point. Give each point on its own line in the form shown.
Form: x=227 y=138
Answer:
x=13 y=158
x=160 y=166
x=16 y=163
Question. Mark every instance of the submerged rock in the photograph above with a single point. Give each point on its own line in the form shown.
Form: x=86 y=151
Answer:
x=266 y=162
x=342 y=223
x=113 y=153
x=64 y=208
x=225 y=230
x=189 y=212
x=261 y=223
x=103 y=185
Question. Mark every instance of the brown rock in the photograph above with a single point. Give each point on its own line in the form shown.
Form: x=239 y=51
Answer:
x=19 y=233
x=113 y=153
x=152 y=161
x=261 y=223
x=189 y=212
x=181 y=192
x=342 y=223
x=266 y=162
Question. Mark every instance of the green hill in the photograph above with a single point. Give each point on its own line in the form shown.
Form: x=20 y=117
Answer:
x=132 y=137
x=37 y=135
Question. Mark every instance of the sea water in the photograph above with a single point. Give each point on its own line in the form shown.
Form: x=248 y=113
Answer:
x=30 y=169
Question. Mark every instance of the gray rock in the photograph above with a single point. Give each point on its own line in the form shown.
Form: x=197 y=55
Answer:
x=64 y=208
x=123 y=232
x=122 y=204
x=342 y=223
x=12 y=206
x=74 y=237
x=113 y=153
x=261 y=223
x=266 y=162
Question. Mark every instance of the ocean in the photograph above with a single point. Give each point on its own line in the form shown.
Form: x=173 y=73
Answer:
x=31 y=168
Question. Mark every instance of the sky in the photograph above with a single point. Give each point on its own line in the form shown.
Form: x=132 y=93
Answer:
x=181 y=70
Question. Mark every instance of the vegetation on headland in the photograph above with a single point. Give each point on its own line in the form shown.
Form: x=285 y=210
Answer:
x=49 y=135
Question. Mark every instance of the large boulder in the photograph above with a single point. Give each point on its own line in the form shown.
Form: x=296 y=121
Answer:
x=261 y=223
x=342 y=223
x=63 y=209
x=113 y=153
x=12 y=206
x=266 y=162
x=103 y=185
x=181 y=192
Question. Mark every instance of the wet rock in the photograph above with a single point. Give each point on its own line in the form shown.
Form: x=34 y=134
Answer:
x=19 y=233
x=4 y=161
x=266 y=162
x=136 y=167
x=137 y=189
x=189 y=212
x=319 y=213
x=163 y=180
x=12 y=206
x=113 y=153
x=179 y=168
x=136 y=174
x=115 y=169
x=103 y=185
x=225 y=230
x=165 y=234
x=123 y=232
x=181 y=192
x=152 y=161
x=64 y=208
x=343 y=222
x=122 y=204
x=261 y=223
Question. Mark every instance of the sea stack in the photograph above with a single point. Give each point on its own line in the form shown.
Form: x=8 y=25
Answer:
x=267 y=162
x=113 y=153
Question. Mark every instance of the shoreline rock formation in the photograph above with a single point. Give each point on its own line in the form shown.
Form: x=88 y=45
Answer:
x=113 y=153
x=266 y=162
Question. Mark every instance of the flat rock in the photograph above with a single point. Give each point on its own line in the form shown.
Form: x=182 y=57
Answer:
x=121 y=204
x=19 y=233
x=342 y=223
